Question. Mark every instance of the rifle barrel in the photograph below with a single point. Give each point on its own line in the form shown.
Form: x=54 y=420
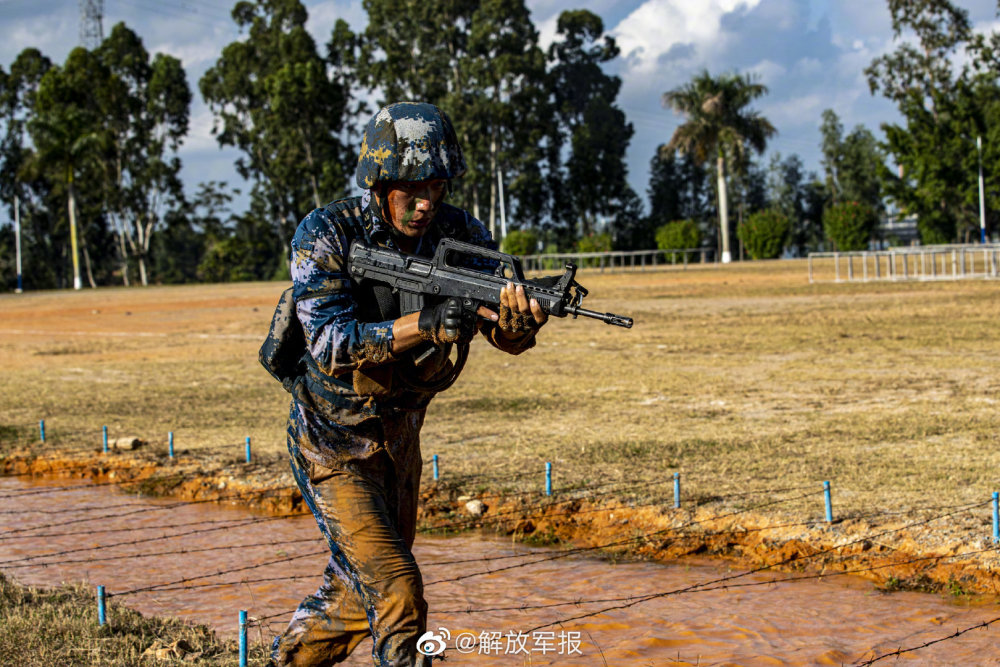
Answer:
x=607 y=318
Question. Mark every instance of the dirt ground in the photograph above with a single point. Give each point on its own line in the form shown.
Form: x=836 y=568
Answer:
x=745 y=379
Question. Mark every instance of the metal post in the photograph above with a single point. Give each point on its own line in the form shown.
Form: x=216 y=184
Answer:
x=548 y=478
x=829 y=505
x=170 y=444
x=243 y=638
x=248 y=449
x=982 y=196
x=435 y=467
x=677 y=490
x=996 y=516
x=503 y=212
x=850 y=268
x=102 y=614
x=41 y=429
x=104 y=430
x=17 y=242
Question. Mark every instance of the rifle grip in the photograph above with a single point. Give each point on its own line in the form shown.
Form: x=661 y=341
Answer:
x=410 y=302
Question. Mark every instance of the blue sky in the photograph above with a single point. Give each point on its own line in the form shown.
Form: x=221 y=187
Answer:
x=810 y=53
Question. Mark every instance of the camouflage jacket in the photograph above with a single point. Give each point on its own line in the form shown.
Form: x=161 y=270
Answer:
x=350 y=376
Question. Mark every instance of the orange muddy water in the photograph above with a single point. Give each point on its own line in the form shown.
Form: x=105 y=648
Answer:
x=835 y=621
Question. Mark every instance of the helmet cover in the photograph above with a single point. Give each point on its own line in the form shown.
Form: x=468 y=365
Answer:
x=409 y=141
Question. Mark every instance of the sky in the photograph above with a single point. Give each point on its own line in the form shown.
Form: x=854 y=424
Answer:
x=811 y=55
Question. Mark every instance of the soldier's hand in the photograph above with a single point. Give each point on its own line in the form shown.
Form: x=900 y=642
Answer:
x=451 y=321
x=518 y=314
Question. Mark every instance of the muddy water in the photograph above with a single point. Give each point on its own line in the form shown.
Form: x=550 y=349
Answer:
x=833 y=622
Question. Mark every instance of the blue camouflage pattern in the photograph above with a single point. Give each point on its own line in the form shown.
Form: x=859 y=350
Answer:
x=409 y=141
x=354 y=442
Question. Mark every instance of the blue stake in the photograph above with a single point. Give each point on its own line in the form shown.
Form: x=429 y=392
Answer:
x=248 y=449
x=996 y=516
x=41 y=428
x=170 y=444
x=548 y=478
x=243 y=638
x=102 y=616
x=435 y=467
x=105 y=430
x=677 y=490
x=829 y=505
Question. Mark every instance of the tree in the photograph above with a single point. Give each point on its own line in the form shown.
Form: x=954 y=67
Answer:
x=850 y=225
x=719 y=124
x=853 y=164
x=763 y=233
x=520 y=242
x=943 y=79
x=277 y=100
x=40 y=238
x=678 y=235
x=679 y=189
x=148 y=115
x=66 y=134
x=597 y=131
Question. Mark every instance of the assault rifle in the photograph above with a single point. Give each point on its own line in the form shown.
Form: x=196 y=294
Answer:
x=445 y=275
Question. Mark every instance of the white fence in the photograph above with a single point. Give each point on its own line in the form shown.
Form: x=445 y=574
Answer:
x=618 y=260
x=942 y=262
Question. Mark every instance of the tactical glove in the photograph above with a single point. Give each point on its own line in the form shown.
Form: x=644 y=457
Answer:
x=451 y=321
x=516 y=323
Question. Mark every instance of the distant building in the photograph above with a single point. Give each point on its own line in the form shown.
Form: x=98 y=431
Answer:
x=895 y=229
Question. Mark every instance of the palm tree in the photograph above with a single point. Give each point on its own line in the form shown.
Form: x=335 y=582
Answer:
x=719 y=124
x=63 y=145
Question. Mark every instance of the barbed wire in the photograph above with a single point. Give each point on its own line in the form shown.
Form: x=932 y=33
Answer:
x=768 y=582
x=131 y=529
x=172 y=552
x=785 y=561
x=146 y=540
x=156 y=587
x=84 y=487
x=570 y=552
x=242 y=494
x=900 y=651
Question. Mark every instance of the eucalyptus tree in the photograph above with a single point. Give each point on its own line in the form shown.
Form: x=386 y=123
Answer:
x=146 y=120
x=278 y=102
x=40 y=239
x=594 y=182
x=66 y=131
x=943 y=78
x=719 y=125
x=478 y=60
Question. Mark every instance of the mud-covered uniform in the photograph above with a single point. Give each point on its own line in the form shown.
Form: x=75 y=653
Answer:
x=353 y=438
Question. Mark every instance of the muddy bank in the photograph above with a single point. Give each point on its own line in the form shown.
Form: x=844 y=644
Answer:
x=928 y=550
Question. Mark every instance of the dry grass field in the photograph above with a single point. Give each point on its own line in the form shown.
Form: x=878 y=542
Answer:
x=740 y=377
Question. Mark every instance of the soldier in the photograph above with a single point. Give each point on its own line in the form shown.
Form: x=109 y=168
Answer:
x=355 y=418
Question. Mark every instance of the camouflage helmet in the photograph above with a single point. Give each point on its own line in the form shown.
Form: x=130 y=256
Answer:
x=409 y=141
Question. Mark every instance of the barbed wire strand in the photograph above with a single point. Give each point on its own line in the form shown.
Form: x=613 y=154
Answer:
x=900 y=651
x=201 y=531
x=785 y=561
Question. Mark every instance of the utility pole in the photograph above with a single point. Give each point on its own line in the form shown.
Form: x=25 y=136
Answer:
x=982 y=193
x=91 y=30
x=17 y=241
x=503 y=212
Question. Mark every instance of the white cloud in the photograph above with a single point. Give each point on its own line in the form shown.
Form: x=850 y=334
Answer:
x=768 y=71
x=658 y=26
x=323 y=15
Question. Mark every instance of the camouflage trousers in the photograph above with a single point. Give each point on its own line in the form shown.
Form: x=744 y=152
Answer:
x=366 y=508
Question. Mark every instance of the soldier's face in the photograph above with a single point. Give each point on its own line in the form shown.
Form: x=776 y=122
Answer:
x=413 y=205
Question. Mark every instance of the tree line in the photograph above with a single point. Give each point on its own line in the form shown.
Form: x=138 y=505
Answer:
x=89 y=147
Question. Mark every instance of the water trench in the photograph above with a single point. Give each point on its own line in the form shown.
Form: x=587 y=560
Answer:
x=840 y=620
